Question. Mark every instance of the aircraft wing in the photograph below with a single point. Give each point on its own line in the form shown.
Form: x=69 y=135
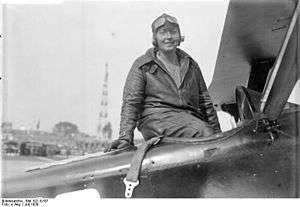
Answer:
x=253 y=29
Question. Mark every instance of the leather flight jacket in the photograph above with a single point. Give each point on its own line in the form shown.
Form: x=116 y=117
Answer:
x=150 y=89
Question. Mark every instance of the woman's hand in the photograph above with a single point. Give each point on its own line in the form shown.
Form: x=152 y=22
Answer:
x=117 y=144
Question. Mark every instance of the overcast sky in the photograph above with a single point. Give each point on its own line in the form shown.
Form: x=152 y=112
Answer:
x=55 y=54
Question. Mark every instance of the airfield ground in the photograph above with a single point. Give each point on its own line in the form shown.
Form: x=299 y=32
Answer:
x=15 y=165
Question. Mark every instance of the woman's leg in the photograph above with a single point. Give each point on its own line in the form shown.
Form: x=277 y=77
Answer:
x=175 y=124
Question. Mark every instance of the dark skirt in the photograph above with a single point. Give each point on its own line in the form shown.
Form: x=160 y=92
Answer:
x=174 y=124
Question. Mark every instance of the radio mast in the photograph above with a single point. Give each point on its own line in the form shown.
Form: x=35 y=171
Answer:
x=104 y=129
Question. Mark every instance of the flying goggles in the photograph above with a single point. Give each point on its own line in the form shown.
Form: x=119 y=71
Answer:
x=162 y=20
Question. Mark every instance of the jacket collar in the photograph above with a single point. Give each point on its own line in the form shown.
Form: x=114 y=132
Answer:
x=150 y=55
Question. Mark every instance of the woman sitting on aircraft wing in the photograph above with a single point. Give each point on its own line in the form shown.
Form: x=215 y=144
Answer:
x=165 y=93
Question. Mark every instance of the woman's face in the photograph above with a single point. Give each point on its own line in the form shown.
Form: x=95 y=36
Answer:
x=168 y=37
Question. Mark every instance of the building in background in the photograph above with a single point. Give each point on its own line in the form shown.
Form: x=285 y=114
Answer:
x=28 y=142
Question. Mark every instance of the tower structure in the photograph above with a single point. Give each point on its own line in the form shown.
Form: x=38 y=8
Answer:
x=104 y=129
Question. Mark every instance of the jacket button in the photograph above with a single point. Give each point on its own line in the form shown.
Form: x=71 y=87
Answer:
x=153 y=68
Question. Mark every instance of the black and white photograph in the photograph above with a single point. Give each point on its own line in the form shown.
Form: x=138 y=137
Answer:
x=149 y=99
